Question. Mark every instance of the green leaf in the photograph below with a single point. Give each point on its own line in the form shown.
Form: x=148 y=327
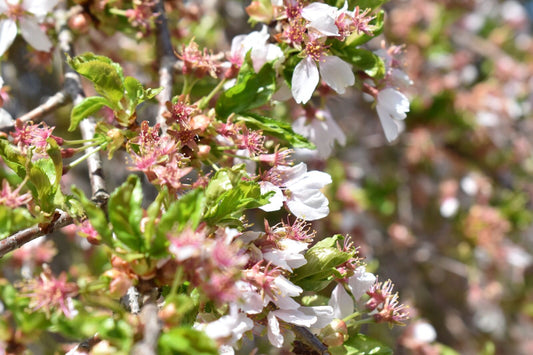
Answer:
x=85 y=108
x=361 y=345
x=230 y=205
x=322 y=259
x=13 y=158
x=106 y=75
x=362 y=59
x=125 y=213
x=186 y=341
x=134 y=89
x=276 y=128
x=96 y=216
x=43 y=179
x=250 y=91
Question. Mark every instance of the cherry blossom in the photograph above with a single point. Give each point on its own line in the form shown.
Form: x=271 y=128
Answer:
x=333 y=70
x=299 y=189
x=261 y=51
x=321 y=130
x=29 y=14
x=392 y=107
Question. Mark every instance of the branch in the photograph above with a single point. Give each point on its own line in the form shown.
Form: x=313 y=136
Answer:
x=166 y=63
x=37 y=114
x=60 y=219
x=152 y=328
x=73 y=88
x=52 y=103
x=310 y=340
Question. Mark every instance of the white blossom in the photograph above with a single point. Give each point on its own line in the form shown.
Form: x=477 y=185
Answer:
x=261 y=51
x=322 y=18
x=334 y=71
x=360 y=282
x=322 y=131
x=28 y=23
x=300 y=190
x=392 y=107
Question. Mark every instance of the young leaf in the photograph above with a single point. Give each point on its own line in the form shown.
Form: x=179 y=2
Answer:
x=106 y=75
x=250 y=91
x=187 y=211
x=322 y=259
x=362 y=59
x=186 y=341
x=125 y=213
x=360 y=344
x=276 y=128
x=85 y=108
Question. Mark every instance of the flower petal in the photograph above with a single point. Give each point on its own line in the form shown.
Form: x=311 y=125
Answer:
x=390 y=126
x=276 y=201
x=34 y=35
x=274 y=334
x=341 y=302
x=336 y=73
x=8 y=32
x=39 y=7
x=304 y=80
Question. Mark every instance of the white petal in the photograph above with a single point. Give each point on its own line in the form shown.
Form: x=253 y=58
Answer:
x=39 y=7
x=296 y=317
x=274 y=333
x=304 y=80
x=286 y=287
x=289 y=174
x=324 y=314
x=390 y=126
x=394 y=102
x=322 y=18
x=34 y=35
x=3 y=7
x=334 y=128
x=276 y=201
x=8 y=32
x=341 y=302
x=309 y=208
x=360 y=282
x=336 y=73
x=312 y=180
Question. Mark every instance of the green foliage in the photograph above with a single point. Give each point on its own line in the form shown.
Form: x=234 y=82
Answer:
x=106 y=75
x=121 y=94
x=125 y=214
x=85 y=108
x=361 y=345
x=228 y=196
x=96 y=216
x=251 y=90
x=322 y=259
x=44 y=175
x=275 y=128
x=186 y=341
x=362 y=59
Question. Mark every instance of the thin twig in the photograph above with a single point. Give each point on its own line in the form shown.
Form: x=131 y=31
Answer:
x=37 y=114
x=59 y=219
x=310 y=339
x=74 y=89
x=51 y=104
x=166 y=63
x=152 y=329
